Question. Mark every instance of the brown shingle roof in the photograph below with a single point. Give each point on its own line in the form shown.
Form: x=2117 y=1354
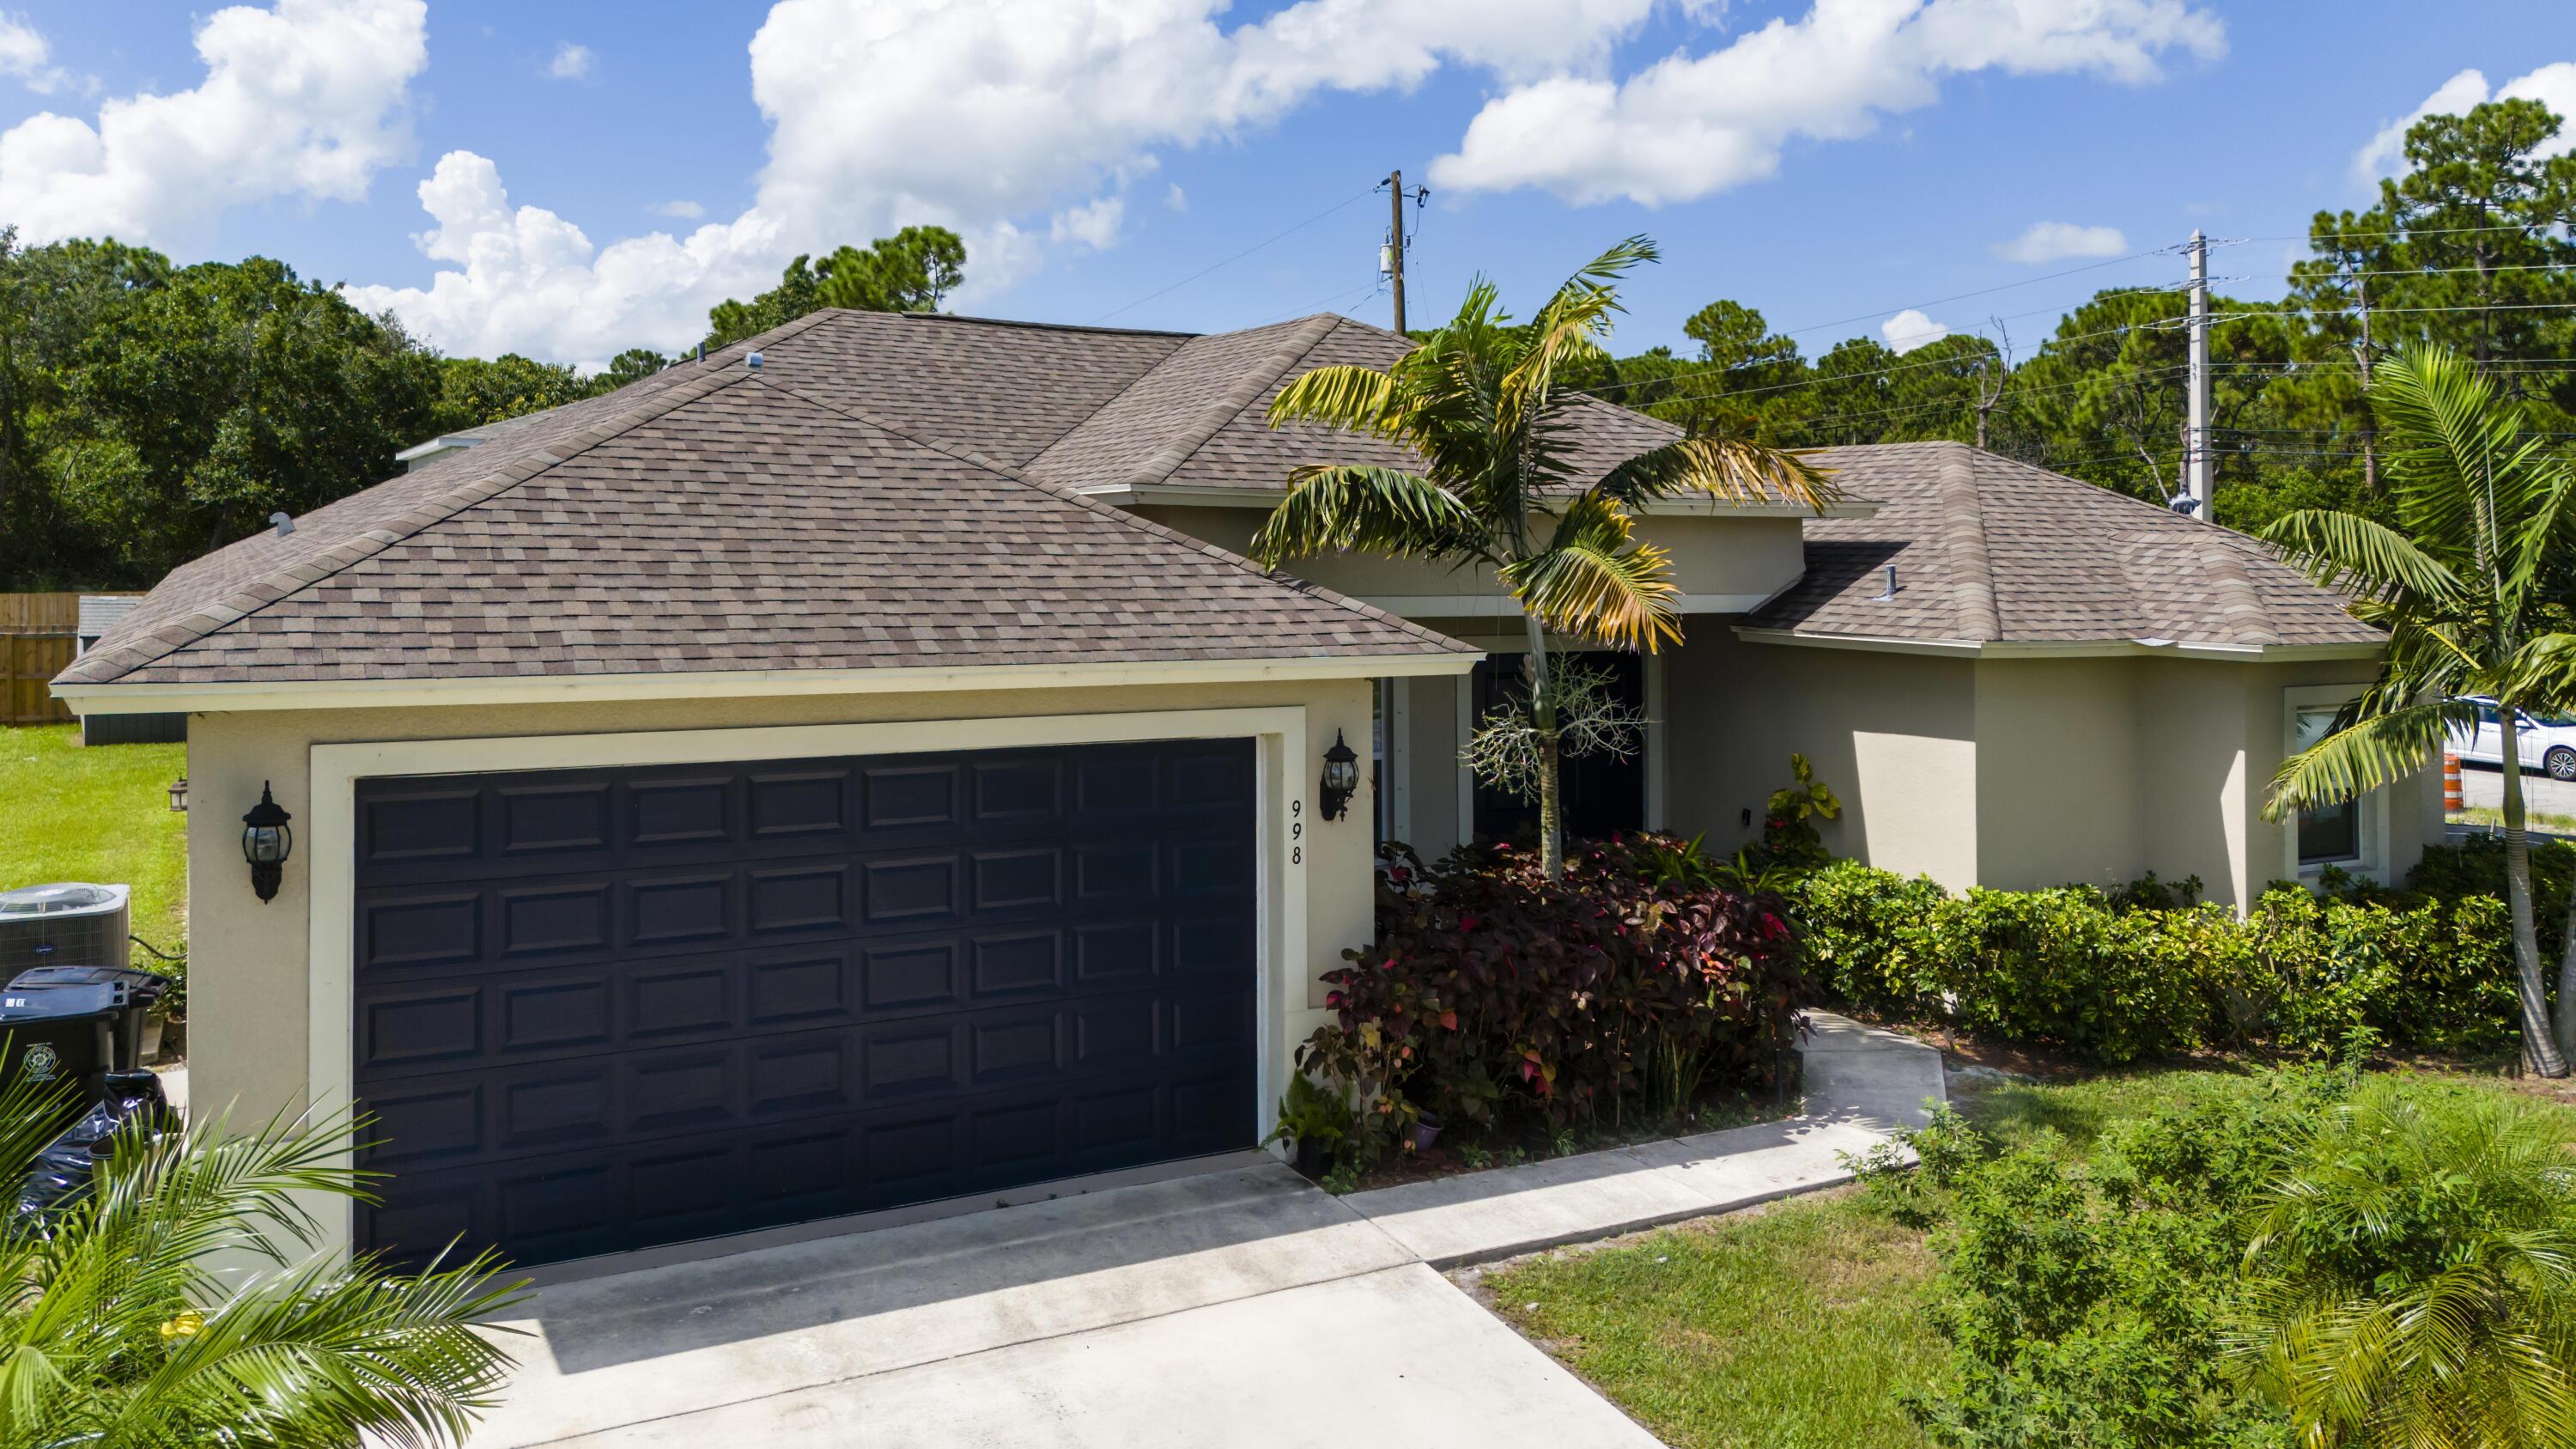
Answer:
x=714 y=518
x=1987 y=549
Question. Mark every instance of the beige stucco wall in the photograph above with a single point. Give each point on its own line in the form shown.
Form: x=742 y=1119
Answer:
x=248 y=1000
x=1894 y=735
x=2014 y=773
x=1746 y=559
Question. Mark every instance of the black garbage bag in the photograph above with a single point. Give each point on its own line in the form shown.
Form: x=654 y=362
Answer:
x=64 y=1169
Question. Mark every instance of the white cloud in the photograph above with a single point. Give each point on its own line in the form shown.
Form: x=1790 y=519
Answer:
x=1687 y=126
x=571 y=62
x=684 y=210
x=2552 y=85
x=1910 y=329
x=24 y=53
x=1176 y=199
x=526 y=280
x=1020 y=123
x=306 y=99
x=2055 y=241
x=1094 y=223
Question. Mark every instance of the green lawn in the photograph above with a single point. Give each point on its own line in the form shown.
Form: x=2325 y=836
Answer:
x=1797 y=1327
x=103 y=814
x=1785 y=1329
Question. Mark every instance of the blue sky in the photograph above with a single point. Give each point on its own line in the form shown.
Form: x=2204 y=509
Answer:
x=1829 y=159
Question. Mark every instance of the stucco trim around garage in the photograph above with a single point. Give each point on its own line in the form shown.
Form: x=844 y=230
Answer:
x=331 y=844
x=1127 y=495
x=87 y=699
x=2065 y=648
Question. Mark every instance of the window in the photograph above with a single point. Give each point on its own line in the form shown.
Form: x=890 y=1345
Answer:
x=2332 y=833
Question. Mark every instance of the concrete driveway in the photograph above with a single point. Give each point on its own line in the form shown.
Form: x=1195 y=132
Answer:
x=1241 y=1307
x=1237 y=1308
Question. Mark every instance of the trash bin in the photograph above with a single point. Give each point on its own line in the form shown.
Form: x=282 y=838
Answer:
x=76 y=1023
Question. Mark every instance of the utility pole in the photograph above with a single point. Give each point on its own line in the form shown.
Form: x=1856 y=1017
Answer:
x=1395 y=242
x=2361 y=355
x=2196 y=459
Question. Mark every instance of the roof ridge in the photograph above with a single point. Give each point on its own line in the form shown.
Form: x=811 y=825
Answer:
x=1304 y=337
x=101 y=666
x=1121 y=515
x=1963 y=537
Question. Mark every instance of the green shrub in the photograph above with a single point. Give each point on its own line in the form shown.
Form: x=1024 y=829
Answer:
x=2143 y=972
x=2088 y=1298
x=1621 y=988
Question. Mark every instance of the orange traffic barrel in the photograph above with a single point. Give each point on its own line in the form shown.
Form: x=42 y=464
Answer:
x=2452 y=797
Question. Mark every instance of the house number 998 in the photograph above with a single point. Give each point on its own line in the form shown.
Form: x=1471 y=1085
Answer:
x=1296 y=833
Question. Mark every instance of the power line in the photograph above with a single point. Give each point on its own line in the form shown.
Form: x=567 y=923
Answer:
x=2412 y=231
x=1238 y=256
x=1963 y=296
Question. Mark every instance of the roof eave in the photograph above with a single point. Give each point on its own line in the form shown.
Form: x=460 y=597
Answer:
x=2062 y=648
x=1129 y=495
x=486 y=691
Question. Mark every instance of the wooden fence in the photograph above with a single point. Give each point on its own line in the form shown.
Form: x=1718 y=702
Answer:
x=39 y=635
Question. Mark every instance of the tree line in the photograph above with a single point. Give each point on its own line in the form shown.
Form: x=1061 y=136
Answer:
x=150 y=412
x=2470 y=248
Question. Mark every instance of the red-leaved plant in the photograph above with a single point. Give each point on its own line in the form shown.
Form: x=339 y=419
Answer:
x=1611 y=994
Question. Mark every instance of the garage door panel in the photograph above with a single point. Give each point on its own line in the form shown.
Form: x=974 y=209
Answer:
x=420 y=824
x=799 y=899
x=419 y=931
x=789 y=804
x=554 y=919
x=552 y=820
x=681 y=810
x=651 y=1004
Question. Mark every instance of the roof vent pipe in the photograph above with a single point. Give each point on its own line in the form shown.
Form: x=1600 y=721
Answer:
x=752 y=361
x=1888 y=591
x=285 y=525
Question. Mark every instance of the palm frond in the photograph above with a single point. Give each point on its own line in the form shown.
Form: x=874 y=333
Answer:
x=1731 y=468
x=2363 y=755
x=1571 y=328
x=1360 y=399
x=1593 y=581
x=1384 y=510
x=2346 y=552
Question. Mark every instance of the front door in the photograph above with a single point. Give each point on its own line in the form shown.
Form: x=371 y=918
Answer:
x=1604 y=794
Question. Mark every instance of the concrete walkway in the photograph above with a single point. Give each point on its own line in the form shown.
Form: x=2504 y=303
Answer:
x=1862 y=1085
x=1241 y=1308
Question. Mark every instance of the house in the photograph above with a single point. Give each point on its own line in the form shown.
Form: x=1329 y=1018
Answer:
x=853 y=772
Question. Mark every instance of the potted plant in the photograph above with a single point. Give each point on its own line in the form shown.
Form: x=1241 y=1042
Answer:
x=1315 y=1121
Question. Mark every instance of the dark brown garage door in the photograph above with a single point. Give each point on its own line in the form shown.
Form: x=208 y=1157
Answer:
x=599 y=1010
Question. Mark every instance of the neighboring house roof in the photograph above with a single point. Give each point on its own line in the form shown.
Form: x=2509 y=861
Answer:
x=715 y=518
x=1989 y=550
x=100 y=612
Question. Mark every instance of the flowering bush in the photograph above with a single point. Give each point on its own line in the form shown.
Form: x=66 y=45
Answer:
x=1589 y=998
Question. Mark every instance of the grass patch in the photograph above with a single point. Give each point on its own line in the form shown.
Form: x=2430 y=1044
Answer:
x=1786 y=1329
x=2492 y=818
x=97 y=814
x=1804 y=1324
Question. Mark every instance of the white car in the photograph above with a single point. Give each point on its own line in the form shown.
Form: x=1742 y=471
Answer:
x=2547 y=743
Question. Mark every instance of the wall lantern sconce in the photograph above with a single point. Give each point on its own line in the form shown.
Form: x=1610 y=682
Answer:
x=179 y=796
x=1341 y=778
x=266 y=843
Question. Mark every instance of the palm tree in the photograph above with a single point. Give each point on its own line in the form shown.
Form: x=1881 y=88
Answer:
x=2480 y=504
x=2411 y=1279
x=117 y=1332
x=1487 y=408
